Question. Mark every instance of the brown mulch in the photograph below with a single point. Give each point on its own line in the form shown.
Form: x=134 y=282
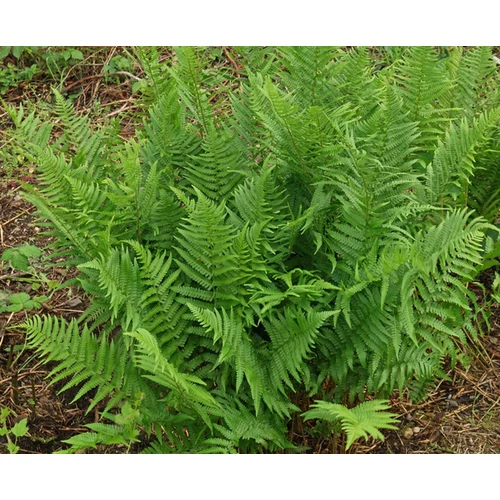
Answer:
x=461 y=416
x=24 y=388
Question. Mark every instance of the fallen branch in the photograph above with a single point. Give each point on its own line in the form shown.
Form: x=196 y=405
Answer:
x=97 y=77
x=236 y=66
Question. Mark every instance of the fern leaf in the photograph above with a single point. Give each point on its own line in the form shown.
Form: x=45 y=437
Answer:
x=361 y=421
x=150 y=359
x=81 y=356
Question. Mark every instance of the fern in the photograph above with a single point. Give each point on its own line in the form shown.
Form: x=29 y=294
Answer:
x=318 y=220
x=263 y=431
x=473 y=75
x=310 y=71
x=150 y=359
x=204 y=245
x=118 y=278
x=214 y=172
x=84 y=359
x=77 y=133
x=453 y=167
x=424 y=81
x=365 y=419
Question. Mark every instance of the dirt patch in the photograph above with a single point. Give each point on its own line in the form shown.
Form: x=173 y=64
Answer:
x=24 y=388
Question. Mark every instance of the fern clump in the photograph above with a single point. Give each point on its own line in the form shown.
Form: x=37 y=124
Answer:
x=317 y=226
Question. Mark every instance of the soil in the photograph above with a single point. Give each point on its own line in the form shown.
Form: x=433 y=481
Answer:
x=461 y=415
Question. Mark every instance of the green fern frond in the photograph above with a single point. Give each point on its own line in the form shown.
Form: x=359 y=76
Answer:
x=423 y=81
x=204 y=242
x=29 y=128
x=361 y=421
x=357 y=80
x=263 y=431
x=389 y=133
x=311 y=70
x=238 y=350
x=473 y=74
x=292 y=336
x=188 y=75
x=77 y=132
x=456 y=242
x=453 y=165
x=286 y=126
x=213 y=170
x=119 y=280
x=61 y=226
x=157 y=78
x=84 y=359
x=167 y=140
x=187 y=388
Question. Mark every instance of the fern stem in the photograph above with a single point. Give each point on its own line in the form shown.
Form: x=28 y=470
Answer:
x=292 y=139
x=204 y=128
x=315 y=80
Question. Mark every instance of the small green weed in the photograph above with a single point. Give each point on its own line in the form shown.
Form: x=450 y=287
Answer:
x=118 y=63
x=11 y=75
x=16 y=51
x=23 y=258
x=23 y=302
x=60 y=61
x=19 y=257
x=19 y=429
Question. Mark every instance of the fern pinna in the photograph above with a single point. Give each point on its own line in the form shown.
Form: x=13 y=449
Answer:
x=315 y=225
